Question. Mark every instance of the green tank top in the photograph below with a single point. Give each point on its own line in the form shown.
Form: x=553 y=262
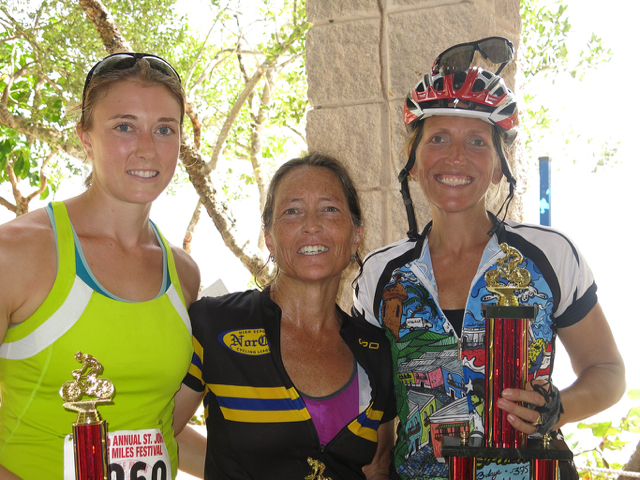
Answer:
x=144 y=347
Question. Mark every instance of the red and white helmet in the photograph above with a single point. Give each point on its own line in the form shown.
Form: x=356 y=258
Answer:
x=476 y=93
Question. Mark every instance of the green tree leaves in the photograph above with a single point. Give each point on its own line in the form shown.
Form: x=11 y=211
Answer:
x=612 y=437
x=546 y=57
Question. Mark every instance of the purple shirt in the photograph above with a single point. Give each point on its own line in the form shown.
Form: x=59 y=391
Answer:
x=332 y=413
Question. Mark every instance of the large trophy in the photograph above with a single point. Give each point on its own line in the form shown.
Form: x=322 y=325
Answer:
x=506 y=366
x=89 y=430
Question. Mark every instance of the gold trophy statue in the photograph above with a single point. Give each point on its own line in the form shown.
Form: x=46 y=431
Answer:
x=89 y=430
x=317 y=468
x=506 y=353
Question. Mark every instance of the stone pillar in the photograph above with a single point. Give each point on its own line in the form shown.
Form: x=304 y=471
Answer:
x=363 y=57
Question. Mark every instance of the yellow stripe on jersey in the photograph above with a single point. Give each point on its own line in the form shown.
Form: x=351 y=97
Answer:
x=260 y=404
x=366 y=425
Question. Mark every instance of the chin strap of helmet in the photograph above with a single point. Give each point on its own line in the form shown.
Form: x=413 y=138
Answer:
x=403 y=178
x=504 y=166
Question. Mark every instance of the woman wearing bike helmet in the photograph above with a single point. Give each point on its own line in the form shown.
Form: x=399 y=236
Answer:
x=426 y=290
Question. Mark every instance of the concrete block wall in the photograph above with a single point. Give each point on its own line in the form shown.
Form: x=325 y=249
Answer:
x=363 y=57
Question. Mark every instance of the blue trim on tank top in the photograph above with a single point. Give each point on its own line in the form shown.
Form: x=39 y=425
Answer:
x=84 y=272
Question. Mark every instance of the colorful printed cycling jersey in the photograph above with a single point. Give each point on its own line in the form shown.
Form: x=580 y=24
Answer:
x=440 y=377
x=257 y=423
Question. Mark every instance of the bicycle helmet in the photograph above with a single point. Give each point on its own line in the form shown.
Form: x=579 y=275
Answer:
x=475 y=93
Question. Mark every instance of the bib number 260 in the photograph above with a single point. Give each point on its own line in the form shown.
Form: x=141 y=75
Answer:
x=138 y=471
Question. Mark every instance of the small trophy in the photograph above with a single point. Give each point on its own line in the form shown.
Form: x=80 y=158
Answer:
x=89 y=430
x=317 y=470
x=506 y=353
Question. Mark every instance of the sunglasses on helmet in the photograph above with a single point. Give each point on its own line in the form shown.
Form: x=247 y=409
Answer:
x=122 y=61
x=458 y=58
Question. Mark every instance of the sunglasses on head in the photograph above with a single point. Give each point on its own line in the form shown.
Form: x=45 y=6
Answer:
x=122 y=61
x=458 y=58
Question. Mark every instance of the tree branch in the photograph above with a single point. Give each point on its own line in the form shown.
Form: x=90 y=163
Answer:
x=201 y=50
x=633 y=465
x=257 y=134
x=212 y=64
x=188 y=236
x=195 y=123
x=249 y=86
x=45 y=135
x=9 y=82
x=9 y=206
x=198 y=173
x=106 y=26
x=43 y=177
x=234 y=113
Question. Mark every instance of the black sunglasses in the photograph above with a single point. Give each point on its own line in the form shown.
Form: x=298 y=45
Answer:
x=122 y=61
x=458 y=58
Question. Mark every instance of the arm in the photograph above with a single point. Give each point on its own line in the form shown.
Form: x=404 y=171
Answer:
x=192 y=449
x=187 y=402
x=189 y=274
x=28 y=251
x=7 y=475
x=379 y=467
x=191 y=445
x=30 y=246
x=598 y=365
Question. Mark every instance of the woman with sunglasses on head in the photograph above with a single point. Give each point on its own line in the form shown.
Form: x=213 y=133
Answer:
x=427 y=290
x=94 y=275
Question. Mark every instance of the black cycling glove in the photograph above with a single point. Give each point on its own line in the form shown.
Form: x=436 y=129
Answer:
x=550 y=412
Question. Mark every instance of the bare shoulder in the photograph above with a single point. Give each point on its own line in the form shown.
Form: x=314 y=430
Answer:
x=26 y=236
x=188 y=272
x=27 y=249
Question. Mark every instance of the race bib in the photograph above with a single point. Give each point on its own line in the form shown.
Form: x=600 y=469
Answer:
x=133 y=455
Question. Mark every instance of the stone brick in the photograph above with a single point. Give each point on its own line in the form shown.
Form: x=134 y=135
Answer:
x=325 y=11
x=417 y=4
x=374 y=209
x=343 y=63
x=417 y=37
x=507 y=12
x=354 y=135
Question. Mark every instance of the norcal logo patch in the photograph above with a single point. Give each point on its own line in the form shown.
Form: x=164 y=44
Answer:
x=252 y=341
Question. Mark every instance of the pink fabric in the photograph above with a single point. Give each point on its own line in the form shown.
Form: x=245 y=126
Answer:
x=331 y=414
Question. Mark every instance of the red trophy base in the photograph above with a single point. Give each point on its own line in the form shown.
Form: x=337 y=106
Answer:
x=90 y=451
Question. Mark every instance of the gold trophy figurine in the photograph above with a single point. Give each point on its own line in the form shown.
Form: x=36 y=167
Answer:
x=317 y=468
x=89 y=430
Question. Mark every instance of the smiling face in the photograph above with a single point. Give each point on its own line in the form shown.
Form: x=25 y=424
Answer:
x=456 y=163
x=313 y=235
x=133 y=141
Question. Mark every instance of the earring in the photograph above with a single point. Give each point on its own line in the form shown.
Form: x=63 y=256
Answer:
x=354 y=258
x=272 y=257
